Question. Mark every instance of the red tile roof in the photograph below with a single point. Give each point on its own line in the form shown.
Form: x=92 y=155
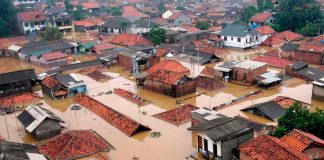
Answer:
x=286 y=102
x=166 y=77
x=129 y=96
x=260 y=17
x=32 y=16
x=160 y=52
x=19 y=99
x=130 y=11
x=90 y=5
x=169 y=65
x=214 y=50
x=273 y=61
x=123 y=123
x=215 y=38
x=127 y=39
x=310 y=47
x=49 y=82
x=300 y=140
x=177 y=116
x=175 y=15
x=88 y=22
x=18 y=40
x=273 y=53
x=54 y=56
x=266 y=147
x=190 y=28
x=74 y=144
x=288 y=36
x=265 y=30
x=273 y=41
x=101 y=48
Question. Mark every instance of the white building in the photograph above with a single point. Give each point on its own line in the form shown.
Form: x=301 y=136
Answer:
x=31 y=21
x=18 y=2
x=240 y=36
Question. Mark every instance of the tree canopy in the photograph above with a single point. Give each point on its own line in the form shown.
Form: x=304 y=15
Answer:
x=202 y=25
x=157 y=35
x=180 y=8
x=161 y=7
x=299 y=117
x=115 y=11
x=51 y=34
x=296 y=14
x=7 y=17
x=78 y=14
x=249 y=11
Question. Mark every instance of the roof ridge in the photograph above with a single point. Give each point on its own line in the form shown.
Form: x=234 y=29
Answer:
x=68 y=144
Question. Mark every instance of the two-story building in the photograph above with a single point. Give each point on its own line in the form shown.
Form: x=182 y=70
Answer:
x=31 y=21
x=261 y=19
x=239 y=36
x=58 y=17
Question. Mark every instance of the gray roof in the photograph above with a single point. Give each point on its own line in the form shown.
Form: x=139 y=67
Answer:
x=16 y=151
x=81 y=65
x=221 y=129
x=55 y=10
x=116 y=22
x=58 y=45
x=145 y=23
x=270 y=109
x=237 y=30
x=311 y=73
x=9 y=77
x=289 y=47
x=67 y=79
x=300 y=65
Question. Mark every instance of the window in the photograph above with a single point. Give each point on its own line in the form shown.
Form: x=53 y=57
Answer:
x=256 y=38
x=205 y=144
x=215 y=149
x=32 y=25
x=238 y=39
x=232 y=38
x=225 y=38
x=26 y=24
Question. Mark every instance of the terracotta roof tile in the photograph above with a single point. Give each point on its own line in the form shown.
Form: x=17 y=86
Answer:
x=265 y=30
x=164 y=76
x=19 y=99
x=286 y=102
x=88 y=22
x=54 y=56
x=190 y=28
x=175 y=15
x=300 y=140
x=288 y=36
x=260 y=17
x=32 y=16
x=169 y=65
x=273 y=53
x=129 y=96
x=101 y=48
x=130 y=11
x=310 y=47
x=161 y=52
x=273 y=41
x=266 y=147
x=90 y=5
x=74 y=144
x=273 y=61
x=127 y=39
x=50 y=82
x=114 y=118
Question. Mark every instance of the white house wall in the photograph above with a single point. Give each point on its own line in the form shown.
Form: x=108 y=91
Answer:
x=210 y=144
x=234 y=43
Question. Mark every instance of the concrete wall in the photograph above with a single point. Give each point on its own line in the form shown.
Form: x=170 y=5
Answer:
x=245 y=42
x=309 y=57
x=318 y=92
x=251 y=75
x=232 y=144
x=210 y=145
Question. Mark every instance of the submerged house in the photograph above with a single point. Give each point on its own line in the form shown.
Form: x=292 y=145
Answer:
x=220 y=138
x=16 y=82
x=248 y=71
x=40 y=122
x=62 y=86
x=19 y=151
x=170 y=83
x=271 y=110
x=318 y=89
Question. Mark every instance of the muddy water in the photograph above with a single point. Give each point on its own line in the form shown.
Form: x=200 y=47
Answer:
x=9 y=64
x=175 y=142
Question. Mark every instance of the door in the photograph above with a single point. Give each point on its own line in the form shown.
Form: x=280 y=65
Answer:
x=200 y=146
x=215 y=149
x=205 y=145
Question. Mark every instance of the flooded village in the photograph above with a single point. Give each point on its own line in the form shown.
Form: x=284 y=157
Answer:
x=160 y=80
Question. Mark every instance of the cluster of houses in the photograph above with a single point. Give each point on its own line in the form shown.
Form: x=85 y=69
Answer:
x=167 y=68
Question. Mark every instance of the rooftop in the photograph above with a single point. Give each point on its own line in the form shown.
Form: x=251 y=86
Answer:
x=32 y=16
x=166 y=77
x=90 y=5
x=260 y=17
x=270 y=109
x=248 y=64
x=237 y=30
x=169 y=65
x=127 y=39
x=130 y=11
x=273 y=61
x=265 y=30
x=54 y=56
x=74 y=144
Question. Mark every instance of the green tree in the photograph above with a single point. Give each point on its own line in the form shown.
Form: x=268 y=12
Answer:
x=78 y=14
x=260 y=5
x=295 y=14
x=51 y=34
x=202 y=25
x=4 y=29
x=249 y=11
x=180 y=8
x=68 y=5
x=115 y=11
x=157 y=35
x=161 y=7
x=310 y=30
x=299 y=117
x=268 y=4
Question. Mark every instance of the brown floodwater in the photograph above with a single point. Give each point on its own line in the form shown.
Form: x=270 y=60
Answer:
x=175 y=142
x=9 y=64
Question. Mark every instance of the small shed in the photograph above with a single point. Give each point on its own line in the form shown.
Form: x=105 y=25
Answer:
x=40 y=122
x=71 y=83
x=247 y=71
x=170 y=83
x=19 y=151
x=271 y=110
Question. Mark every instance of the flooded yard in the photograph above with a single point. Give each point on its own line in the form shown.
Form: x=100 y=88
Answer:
x=175 y=142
